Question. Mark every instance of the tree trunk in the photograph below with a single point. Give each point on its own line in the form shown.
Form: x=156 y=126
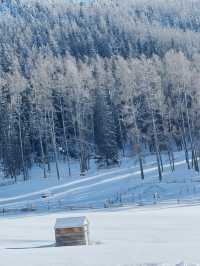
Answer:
x=65 y=138
x=21 y=147
x=157 y=147
x=54 y=144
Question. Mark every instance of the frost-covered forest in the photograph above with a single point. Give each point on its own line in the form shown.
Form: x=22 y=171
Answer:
x=82 y=81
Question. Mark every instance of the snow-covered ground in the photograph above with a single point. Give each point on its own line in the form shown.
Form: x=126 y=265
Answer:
x=147 y=221
x=120 y=237
x=118 y=185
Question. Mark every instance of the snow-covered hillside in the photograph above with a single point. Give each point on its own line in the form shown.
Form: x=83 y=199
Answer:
x=100 y=116
x=120 y=237
x=103 y=188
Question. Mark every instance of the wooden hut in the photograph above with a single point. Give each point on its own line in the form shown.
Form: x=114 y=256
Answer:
x=72 y=231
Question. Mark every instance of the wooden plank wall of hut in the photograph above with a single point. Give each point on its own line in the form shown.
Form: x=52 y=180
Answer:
x=71 y=236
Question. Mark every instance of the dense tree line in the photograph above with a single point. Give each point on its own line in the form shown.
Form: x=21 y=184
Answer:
x=90 y=80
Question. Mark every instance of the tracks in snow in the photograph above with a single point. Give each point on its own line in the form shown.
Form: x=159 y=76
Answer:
x=74 y=190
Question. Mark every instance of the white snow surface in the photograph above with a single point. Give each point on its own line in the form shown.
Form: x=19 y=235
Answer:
x=70 y=222
x=120 y=237
x=100 y=186
x=132 y=222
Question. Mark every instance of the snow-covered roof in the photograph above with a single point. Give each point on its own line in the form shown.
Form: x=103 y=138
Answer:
x=71 y=222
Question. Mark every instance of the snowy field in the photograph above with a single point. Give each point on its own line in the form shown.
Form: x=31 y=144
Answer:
x=144 y=223
x=120 y=237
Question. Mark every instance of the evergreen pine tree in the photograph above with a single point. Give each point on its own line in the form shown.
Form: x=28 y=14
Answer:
x=105 y=128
